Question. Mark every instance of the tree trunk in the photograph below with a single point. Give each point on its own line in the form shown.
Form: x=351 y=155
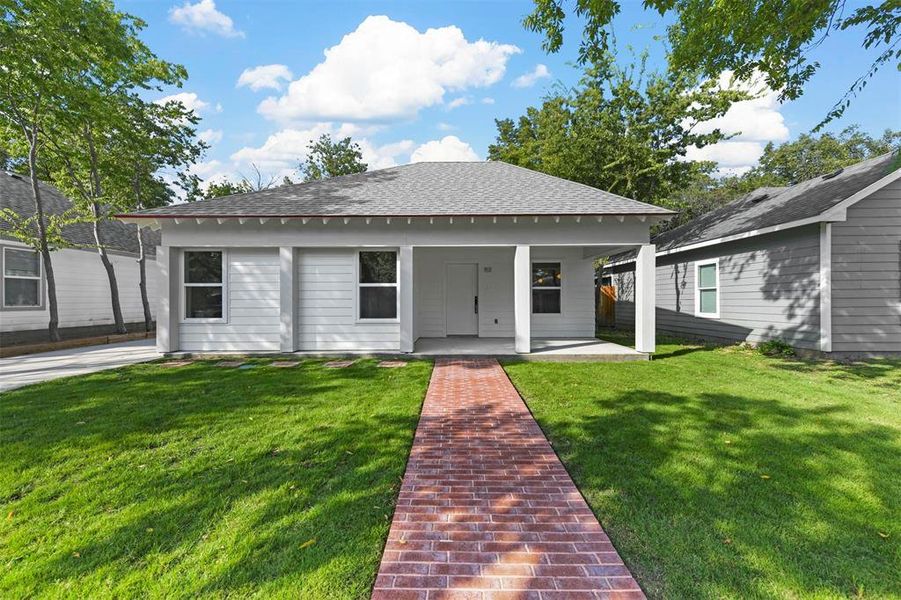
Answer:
x=142 y=261
x=110 y=272
x=53 y=325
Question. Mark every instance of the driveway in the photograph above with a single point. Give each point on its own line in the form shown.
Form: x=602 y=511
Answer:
x=35 y=368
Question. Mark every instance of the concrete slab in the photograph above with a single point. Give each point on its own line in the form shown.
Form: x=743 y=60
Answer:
x=542 y=349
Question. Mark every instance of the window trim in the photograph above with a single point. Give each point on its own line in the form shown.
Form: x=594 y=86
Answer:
x=4 y=277
x=183 y=286
x=697 y=288
x=532 y=288
x=358 y=285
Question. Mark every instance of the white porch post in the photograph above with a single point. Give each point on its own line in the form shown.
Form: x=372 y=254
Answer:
x=645 y=301
x=405 y=290
x=287 y=298
x=522 y=299
x=167 y=316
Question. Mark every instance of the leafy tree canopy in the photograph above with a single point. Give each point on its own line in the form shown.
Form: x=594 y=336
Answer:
x=329 y=158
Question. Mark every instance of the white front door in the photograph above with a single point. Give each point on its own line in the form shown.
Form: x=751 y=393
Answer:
x=461 y=290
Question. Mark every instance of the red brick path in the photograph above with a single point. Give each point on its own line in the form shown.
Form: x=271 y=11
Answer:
x=486 y=509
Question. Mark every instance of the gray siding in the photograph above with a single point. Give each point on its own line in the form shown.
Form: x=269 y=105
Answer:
x=769 y=288
x=866 y=275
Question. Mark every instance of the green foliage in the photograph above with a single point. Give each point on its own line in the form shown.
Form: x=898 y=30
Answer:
x=332 y=159
x=224 y=187
x=773 y=37
x=623 y=130
x=776 y=348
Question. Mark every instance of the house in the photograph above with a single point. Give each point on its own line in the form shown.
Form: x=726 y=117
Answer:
x=817 y=265
x=379 y=260
x=82 y=287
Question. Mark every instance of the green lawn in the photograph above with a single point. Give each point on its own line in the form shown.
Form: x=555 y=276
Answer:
x=202 y=480
x=720 y=473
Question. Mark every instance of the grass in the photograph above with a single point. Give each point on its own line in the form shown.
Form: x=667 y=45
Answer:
x=202 y=480
x=721 y=473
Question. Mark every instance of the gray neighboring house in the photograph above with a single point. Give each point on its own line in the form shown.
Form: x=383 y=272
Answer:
x=817 y=265
x=82 y=287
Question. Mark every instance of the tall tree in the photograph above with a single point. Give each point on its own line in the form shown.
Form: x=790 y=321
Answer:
x=624 y=130
x=327 y=158
x=774 y=37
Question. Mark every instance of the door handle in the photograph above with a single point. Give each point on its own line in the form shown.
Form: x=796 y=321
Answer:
x=476 y=304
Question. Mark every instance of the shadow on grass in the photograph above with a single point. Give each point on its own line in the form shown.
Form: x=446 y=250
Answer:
x=718 y=495
x=205 y=481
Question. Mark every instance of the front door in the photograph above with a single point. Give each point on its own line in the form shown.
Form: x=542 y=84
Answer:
x=462 y=288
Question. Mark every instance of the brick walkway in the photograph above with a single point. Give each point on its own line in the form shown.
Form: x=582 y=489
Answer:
x=486 y=509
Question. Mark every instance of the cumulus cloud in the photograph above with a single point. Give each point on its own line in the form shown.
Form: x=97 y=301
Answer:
x=210 y=136
x=531 y=78
x=203 y=17
x=753 y=122
x=458 y=102
x=448 y=148
x=387 y=70
x=190 y=101
x=264 y=76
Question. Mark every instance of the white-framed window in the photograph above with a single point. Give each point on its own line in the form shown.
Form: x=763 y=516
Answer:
x=707 y=288
x=547 y=287
x=204 y=286
x=21 y=278
x=377 y=297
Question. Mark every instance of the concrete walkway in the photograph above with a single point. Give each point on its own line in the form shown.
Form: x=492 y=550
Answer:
x=35 y=368
x=486 y=509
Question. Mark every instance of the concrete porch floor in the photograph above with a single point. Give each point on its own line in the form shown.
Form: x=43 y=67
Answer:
x=557 y=349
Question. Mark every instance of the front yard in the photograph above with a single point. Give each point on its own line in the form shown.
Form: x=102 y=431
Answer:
x=204 y=480
x=720 y=473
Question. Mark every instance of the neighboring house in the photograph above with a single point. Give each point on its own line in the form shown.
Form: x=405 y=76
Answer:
x=82 y=287
x=817 y=264
x=374 y=261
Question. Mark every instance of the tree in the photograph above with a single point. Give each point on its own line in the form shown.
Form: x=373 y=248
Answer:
x=773 y=37
x=624 y=130
x=49 y=49
x=223 y=187
x=331 y=159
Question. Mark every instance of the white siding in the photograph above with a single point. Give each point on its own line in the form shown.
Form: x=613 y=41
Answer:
x=82 y=291
x=576 y=318
x=253 y=323
x=327 y=302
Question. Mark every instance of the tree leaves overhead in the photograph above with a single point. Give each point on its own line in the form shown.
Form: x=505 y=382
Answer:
x=329 y=158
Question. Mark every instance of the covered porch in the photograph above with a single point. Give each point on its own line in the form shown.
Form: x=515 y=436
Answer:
x=573 y=349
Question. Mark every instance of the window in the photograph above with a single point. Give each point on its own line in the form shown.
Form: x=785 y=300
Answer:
x=546 y=285
x=378 y=284
x=204 y=284
x=21 y=278
x=707 y=294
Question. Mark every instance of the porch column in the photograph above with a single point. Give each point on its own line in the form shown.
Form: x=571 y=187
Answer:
x=405 y=285
x=522 y=299
x=167 y=316
x=287 y=298
x=645 y=301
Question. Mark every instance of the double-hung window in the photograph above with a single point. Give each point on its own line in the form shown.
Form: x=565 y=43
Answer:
x=204 y=285
x=546 y=287
x=707 y=292
x=377 y=284
x=21 y=278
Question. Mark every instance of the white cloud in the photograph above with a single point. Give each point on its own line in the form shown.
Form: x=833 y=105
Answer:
x=264 y=76
x=190 y=101
x=210 y=136
x=445 y=127
x=754 y=122
x=450 y=148
x=203 y=17
x=487 y=100
x=387 y=70
x=458 y=102
x=529 y=79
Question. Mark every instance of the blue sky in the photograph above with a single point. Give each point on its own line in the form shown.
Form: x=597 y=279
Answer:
x=425 y=80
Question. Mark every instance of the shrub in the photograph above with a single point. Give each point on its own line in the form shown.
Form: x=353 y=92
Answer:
x=776 y=348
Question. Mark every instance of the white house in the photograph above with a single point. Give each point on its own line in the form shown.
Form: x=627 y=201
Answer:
x=380 y=260
x=82 y=287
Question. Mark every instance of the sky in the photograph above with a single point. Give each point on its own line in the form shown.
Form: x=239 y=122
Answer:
x=425 y=80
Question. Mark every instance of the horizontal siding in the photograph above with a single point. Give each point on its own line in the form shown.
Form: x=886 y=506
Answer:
x=576 y=318
x=326 y=319
x=252 y=308
x=866 y=275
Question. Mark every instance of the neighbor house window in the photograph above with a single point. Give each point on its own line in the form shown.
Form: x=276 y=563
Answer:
x=707 y=293
x=378 y=284
x=21 y=278
x=546 y=286
x=204 y=284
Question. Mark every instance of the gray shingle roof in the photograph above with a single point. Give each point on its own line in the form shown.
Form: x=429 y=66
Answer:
x=15 y=193
x=421 y=189
x=766 y=207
